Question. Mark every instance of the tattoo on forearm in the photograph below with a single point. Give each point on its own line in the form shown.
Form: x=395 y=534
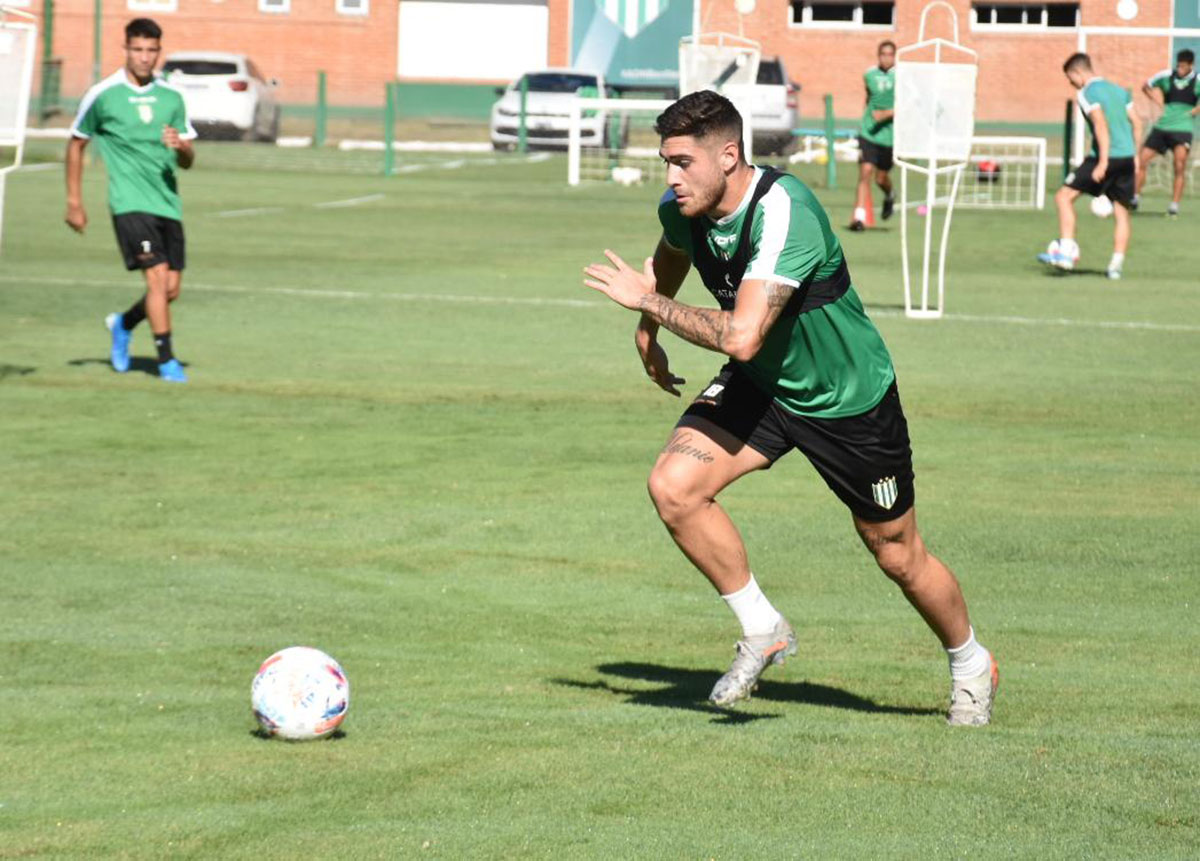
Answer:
x=704 y=327
x=778 y=295
x=681 y=443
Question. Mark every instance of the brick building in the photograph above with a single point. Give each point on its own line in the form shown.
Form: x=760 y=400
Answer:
x=826 y=44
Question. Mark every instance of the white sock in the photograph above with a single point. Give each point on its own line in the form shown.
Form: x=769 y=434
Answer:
x=969 y=660
x=1117 y=260
x=860 y=213
x=753 y=610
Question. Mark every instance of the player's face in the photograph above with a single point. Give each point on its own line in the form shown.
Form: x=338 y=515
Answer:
x=887 y=57
x=141 y=56
x=1077 y=78
x=1183 y=68
x=697 y=171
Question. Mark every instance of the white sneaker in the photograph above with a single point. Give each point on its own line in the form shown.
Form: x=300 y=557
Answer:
x=971 y=699
x=754 y=654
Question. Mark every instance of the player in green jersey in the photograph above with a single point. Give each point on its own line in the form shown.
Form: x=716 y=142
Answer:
x=144 y=135
x=1108 y=171
x=807 y=369
x=1179 y=93
x=875 y=137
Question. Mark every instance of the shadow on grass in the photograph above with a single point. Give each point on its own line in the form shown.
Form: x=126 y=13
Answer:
x=689 y=689
x=1055 y=272
x=141 y=364
x=262 y=735
x=7 y=371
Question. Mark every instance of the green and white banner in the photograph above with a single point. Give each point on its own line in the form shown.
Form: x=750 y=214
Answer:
x=630 y=42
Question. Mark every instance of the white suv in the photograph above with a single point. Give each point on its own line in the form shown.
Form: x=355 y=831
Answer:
x=547 y=109
x=774 y=104
x=225 y=94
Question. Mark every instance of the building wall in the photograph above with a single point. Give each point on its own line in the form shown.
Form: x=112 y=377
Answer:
x=1020 y=74
x=1019 y=79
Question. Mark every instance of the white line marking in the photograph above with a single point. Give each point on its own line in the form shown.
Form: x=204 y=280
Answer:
x=238 y=213
x=35 y=168
x=536 y=301
x=350 y=201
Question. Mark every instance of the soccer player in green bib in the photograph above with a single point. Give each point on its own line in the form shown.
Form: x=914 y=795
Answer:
x=1108 y=171
x=875 y=137
x=144 y=135
x=806 y=369
x=1179 y=92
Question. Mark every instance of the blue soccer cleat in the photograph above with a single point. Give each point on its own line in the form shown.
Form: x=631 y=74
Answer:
x=172 y=372
x=119 y=354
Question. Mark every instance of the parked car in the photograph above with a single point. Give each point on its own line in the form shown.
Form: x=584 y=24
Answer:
x=774 y=102
x=226 y=95
x=548 y=102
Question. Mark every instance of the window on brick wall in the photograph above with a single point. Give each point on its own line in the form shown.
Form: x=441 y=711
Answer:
x=152 y=5
x=867 y=14
x=276 y=6
x=353 y=7
x=1024 y=16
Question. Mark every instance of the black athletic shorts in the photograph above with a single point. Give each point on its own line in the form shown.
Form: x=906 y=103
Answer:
x=865 y=459
x=873 y=153
x=1117 y=184
x=147 y=240
x=1161 y=141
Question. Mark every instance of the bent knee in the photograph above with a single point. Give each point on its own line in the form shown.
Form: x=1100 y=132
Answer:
x=672 y=497
x=902 y=563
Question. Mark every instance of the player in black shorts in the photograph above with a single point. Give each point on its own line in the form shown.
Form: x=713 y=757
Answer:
x=1178 y=90
x=875 y=138
x=142 y=126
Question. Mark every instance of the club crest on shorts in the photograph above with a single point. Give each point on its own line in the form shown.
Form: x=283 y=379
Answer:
x=884 y=492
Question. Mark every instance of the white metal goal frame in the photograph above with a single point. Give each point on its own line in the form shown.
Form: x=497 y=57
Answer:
x=940 y=158
x=16 y=35
x=615 y=149
x=1031 y=164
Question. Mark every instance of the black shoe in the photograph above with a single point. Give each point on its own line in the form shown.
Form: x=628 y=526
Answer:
x=889 y=204
x=1133 y=204
x=857 y=226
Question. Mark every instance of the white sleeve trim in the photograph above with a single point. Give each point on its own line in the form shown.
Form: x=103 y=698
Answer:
x=1165 y=73
x=776 y=222
x=1084 y=105
x=89 y=98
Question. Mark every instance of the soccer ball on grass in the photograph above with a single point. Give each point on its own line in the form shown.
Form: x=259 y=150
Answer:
x=300 y=693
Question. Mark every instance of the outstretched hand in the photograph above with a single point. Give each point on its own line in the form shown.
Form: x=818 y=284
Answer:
x=621 y=282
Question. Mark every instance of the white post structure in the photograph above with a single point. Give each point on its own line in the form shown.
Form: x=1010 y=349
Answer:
x=935 y=119
x=18 y=44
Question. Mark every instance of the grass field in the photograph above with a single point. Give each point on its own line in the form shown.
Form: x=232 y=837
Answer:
x=414 y=440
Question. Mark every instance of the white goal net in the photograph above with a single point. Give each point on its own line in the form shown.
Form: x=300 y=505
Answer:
x=18 y=42
x=1001 y=173
x=613 y=140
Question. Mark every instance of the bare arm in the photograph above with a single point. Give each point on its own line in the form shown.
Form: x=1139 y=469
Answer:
x=671 y=266
x=76 y=216
x=184 y=152
x=882 y=115
x=739 y=333
x=1136 y=122
x=1103 y=143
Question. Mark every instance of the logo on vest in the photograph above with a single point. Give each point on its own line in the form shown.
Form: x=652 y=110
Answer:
x=146 y=113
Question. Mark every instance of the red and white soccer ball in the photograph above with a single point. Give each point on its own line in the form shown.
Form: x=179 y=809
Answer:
x=300 y=693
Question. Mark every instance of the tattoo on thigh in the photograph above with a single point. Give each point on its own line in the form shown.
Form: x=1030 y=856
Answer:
x=681 y=443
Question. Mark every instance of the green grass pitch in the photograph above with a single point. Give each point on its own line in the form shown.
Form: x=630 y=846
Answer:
x=414 y=440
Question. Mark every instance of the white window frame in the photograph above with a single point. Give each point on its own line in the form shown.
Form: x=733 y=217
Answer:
x=360 y=12
x=18 y=4
x=150 y=5
x=807 y=23
x=1041 y=26
x=275 y=7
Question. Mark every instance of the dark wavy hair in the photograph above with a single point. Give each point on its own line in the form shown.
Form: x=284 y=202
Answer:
x=146 y=28
x=703 y=114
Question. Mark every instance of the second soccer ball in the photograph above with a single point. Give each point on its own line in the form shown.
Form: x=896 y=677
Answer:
x=1102 y=207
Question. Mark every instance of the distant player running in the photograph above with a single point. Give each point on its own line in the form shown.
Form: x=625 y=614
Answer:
x=1179 y=93
x=1107 y=171
x=807 y=370
x=875 y=137
x=144 y=134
